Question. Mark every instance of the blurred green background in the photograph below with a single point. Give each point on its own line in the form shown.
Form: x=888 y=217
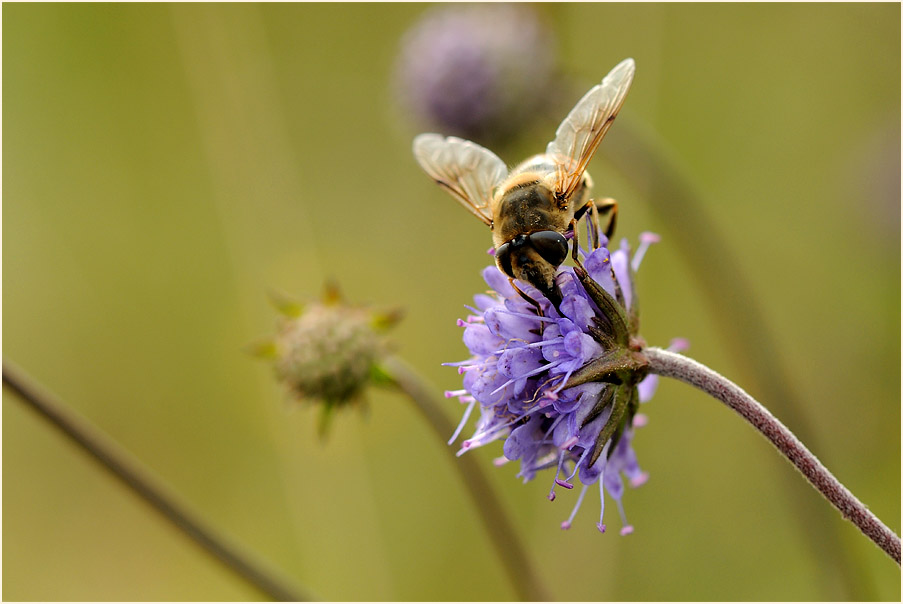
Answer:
x=166 y=165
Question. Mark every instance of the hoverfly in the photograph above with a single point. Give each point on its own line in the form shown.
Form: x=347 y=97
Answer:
x=533 y=210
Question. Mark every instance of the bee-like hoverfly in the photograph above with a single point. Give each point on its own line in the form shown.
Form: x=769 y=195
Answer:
x=532 y=211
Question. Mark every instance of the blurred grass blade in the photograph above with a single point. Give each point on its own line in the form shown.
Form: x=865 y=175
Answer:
x=127 y=470
x=522 y=575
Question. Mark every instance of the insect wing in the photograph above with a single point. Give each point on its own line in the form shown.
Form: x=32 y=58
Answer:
x=579 y=135
x=466 y=170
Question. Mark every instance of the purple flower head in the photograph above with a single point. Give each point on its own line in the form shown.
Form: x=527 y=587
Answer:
x=478 y=71
x=562 y=386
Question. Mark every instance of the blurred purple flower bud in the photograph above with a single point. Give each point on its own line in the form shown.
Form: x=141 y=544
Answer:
x=478 y=71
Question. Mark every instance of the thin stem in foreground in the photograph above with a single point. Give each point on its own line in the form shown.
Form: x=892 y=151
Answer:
x=677 y=366
x=524 y=578
x=117 y=463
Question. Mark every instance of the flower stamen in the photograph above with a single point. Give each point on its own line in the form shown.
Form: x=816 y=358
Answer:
x=646 y=240
x=567 y=523
x=601 y=525
x=626 y=529
x=463 y=421
x=557 y=473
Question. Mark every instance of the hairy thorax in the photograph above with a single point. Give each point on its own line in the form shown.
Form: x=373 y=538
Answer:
x=526 y=201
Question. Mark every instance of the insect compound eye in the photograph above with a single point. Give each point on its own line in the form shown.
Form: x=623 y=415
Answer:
x=503 y=258
x=551 y=245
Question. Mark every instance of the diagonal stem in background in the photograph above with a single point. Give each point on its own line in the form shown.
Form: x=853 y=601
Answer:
x=117 y=462
x=523 y=577
x=639 y=155
x=671 y=364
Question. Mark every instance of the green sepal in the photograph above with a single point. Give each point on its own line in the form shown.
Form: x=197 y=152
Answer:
x=285 y=305
x=600 y=332
x=379 y=376
x=632 y=406
x=327 y=411
x=610 y=307
x=622 y=397
x=614 y=366
x=262 y=349
x=602 y=402
x=332 y=294
x=383 y=320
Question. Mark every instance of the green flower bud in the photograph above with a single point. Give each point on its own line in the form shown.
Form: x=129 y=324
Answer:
x=327 y=352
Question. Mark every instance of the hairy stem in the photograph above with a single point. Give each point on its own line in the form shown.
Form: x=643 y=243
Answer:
x=524 y=578
x=671 y=364
x=116 y=461
x=644 y=159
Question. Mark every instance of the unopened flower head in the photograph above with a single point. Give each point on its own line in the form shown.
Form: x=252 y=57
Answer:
x=562 y=386
x=478 y=70
x=326 y=352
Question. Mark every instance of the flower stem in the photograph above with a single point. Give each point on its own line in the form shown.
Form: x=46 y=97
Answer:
x=646 y=161
x=687 y=370
x=524 y=578
x=116 y=461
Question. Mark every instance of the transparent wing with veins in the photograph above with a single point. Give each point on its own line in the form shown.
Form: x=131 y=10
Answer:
x=466 y=170
x=579 y=135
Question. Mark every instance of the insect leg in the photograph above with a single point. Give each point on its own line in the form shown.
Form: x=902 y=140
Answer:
x=594 y=230
x=596 y=209
x=524 y=295
x=531 y=301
